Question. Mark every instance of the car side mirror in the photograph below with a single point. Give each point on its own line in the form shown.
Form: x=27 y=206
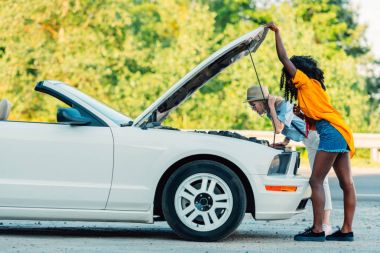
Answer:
x=71 y=116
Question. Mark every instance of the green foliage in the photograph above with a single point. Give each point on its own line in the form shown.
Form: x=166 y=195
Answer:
x=334 y=24
x=128 y=53
x=230 y=11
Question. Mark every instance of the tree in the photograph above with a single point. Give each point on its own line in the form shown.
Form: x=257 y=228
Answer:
x=128 y=53
x=334 y=24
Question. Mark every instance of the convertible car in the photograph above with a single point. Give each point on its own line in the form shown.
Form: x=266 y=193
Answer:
x=96 y=164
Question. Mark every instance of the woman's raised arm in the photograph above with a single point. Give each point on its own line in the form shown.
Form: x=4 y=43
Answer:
x=281 y=52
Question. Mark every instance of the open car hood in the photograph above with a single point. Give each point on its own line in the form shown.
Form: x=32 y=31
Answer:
x=201 y=74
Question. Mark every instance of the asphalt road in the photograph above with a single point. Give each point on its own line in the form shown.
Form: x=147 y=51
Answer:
x=251 y=236
x=367 y=187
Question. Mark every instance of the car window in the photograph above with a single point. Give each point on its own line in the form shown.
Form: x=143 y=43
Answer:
x=106 y=110
x=44 y=109
x=38 y=107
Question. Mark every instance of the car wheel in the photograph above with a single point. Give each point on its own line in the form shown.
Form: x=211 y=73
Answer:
x=204 y=201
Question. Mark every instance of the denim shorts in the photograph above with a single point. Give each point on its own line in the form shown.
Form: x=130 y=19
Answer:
x=330 y=138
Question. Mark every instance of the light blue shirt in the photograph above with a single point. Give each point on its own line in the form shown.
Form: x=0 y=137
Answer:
x=285 y=114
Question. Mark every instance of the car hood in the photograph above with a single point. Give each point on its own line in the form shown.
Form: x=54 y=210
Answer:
x=201 y=74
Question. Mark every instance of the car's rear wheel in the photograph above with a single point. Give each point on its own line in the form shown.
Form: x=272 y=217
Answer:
x=204 y=201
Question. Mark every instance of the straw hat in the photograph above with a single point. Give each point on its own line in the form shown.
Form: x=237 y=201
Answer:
x=255 y=93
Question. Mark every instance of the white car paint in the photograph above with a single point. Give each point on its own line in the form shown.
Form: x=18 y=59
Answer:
x=136 y=175
x=106 y=172
x=54 y=165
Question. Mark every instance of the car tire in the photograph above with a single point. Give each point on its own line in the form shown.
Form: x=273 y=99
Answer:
x=204 y=201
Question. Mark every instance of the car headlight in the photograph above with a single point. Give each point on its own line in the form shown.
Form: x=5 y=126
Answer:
x=280 y=164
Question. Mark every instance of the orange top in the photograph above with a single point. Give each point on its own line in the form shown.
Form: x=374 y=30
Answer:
x=315 y=104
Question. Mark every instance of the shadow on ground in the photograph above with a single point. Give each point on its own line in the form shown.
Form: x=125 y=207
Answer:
x=142 y=233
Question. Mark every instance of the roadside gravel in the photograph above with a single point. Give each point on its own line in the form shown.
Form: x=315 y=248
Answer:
x=251 y=236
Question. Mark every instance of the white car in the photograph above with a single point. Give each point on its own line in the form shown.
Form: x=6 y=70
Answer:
x=96 y=164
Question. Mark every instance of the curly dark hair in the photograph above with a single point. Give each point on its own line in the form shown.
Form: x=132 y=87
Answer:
x=307 y=65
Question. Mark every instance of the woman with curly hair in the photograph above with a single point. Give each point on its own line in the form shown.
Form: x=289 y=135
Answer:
x=303 y=81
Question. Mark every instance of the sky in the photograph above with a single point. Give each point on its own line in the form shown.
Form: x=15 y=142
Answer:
x=369 y=13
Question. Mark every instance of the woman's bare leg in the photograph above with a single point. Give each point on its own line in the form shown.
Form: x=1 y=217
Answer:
x=311 y=143
x=342 y=169
x=326 y=217
x=328 y=202
x=322 y=164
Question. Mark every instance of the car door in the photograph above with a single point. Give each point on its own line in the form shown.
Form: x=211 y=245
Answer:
x=55 y=165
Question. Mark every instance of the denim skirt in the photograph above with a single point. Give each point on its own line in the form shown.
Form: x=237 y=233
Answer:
x=330 y=138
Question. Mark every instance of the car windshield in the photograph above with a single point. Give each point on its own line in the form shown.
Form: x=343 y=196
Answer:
x=107 y=111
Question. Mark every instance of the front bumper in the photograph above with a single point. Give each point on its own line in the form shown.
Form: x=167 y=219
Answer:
x=272 y=205
x=276 y=205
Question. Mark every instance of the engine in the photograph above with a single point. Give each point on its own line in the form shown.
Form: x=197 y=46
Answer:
x=235 y=135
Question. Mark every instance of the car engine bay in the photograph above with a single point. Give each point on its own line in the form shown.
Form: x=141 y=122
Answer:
x=224 y=133
x=235 y=135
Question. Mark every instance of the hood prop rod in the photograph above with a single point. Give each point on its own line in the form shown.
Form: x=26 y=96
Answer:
x=262 y=92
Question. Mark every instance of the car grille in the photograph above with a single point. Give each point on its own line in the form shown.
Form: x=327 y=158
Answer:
x=297 y=164
x=302 y=204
